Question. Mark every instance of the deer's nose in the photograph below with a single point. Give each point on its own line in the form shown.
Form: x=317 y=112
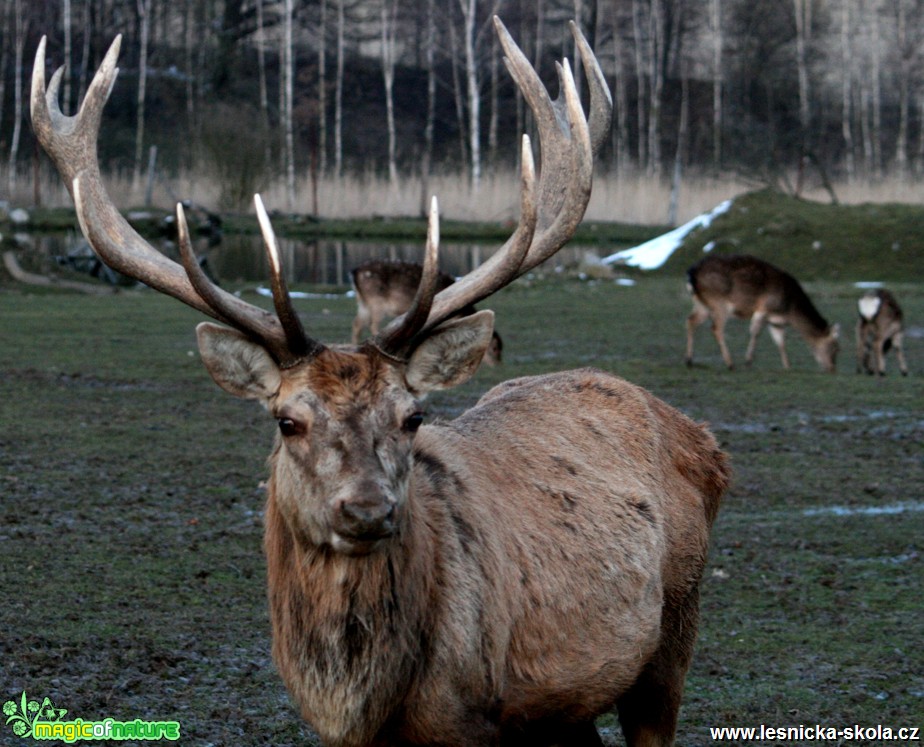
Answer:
x=366 y=519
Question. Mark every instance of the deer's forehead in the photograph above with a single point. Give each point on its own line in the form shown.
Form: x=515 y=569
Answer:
x=339 y=381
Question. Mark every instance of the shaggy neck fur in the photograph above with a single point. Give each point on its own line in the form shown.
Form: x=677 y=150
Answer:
x=349 y=633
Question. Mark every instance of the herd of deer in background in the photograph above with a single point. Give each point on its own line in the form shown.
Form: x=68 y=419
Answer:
x=727 y=286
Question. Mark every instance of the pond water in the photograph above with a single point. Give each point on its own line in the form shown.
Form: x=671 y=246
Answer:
x=239 y=258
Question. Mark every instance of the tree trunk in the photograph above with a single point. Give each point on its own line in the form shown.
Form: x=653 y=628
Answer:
x=473 y=91
x=495 y=104
x=681 y=152
x=322 y=89
x=906 y=58
x=457 y=93
x=846 y=89
x=620 y=100
x=803 y=14
x=144 y=16
x=288 y=74
x=656 y=74
x=640 y=97
x=68 y=67
x=389 y=23
x=261 y=68
x=876 y=88
x=338 y=96
x=715 y=17
x=4 y=52
x=426 y=160
x=21 y=27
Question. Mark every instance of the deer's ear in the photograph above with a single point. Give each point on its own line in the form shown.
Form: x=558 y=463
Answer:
x=237 y=364
x=451 y=354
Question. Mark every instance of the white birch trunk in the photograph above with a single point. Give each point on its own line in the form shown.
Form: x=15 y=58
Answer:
x=388 y=23
x=472 y=91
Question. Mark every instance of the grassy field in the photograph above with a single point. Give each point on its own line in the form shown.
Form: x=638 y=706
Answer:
x=131 y=497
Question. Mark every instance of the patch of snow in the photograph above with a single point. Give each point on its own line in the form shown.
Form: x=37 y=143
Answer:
x=654 y=253
x=263 y=291
x=895 y=508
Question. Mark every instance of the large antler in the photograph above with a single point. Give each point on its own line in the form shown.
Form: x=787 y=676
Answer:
x=551 y=211
x=71 y=143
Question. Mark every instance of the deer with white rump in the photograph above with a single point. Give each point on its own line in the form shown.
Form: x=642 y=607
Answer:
x=499 y=579
x=880 y=327
x=749 y=288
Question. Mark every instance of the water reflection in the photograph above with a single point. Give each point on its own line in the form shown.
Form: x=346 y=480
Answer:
x=239 y=258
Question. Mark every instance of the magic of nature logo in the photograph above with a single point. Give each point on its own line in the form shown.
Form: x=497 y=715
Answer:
x=43 y=720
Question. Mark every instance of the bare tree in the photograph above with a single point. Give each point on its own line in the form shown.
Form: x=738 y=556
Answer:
x=389 y=22
x=875 y=88
x=907 y=51
x=288 y=93
x=641 y=107
x=21 y=28
x=68 y=67
x=718 y=38
x=803 y=14
x=338 y=95
x=144 y=13
x=469 y=8
x=429 y=126
x=4 y=51
x=657 y=45
x=847 y=87
x=322 y=88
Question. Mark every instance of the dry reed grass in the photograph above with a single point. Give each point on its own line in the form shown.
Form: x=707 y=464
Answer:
x=632 y=198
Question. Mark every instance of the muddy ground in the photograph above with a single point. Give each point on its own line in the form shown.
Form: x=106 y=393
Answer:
x=131 y=498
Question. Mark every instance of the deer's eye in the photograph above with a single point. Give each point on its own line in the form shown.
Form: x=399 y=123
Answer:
x=412 y=422
x=290 y=427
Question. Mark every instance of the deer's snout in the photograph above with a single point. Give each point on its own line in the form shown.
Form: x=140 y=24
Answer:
x=366 y=519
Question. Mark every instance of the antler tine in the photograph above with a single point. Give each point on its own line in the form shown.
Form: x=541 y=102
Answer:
x=551 y=210
x=70 y=141
x=397 y=336
x=299 y=345
x=601 y=101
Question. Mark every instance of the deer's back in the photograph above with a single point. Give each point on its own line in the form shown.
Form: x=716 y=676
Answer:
x=745 y=284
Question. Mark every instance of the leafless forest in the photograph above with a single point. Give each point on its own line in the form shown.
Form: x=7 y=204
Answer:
x=250 y=93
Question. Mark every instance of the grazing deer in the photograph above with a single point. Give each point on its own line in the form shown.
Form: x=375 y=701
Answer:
x=502 y=578
x=747 y=287
x=880 y=326
x=386 y=287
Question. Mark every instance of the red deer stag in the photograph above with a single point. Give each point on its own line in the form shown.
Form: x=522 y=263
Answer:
x=880 y=326
x=747 y=287
x=502 y=578
x=386 y=287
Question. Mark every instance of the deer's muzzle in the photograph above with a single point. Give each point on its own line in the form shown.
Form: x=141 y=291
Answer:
x=360 y=524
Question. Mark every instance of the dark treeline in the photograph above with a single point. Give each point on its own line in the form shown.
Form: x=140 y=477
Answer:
x=254 y=90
